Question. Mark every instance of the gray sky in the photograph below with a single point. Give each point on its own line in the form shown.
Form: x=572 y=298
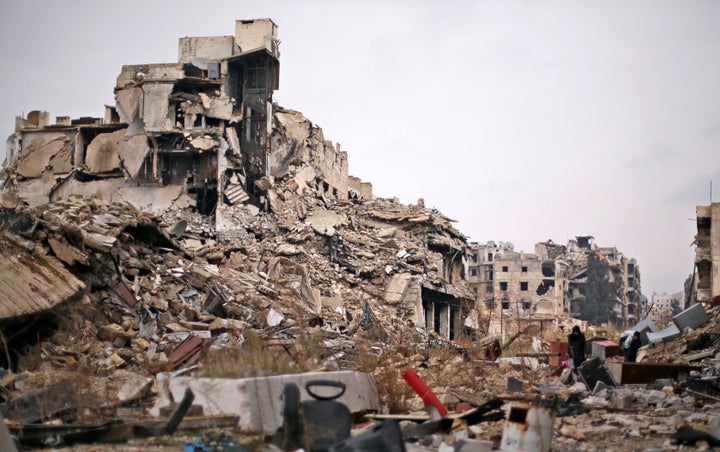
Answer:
x=523 y=120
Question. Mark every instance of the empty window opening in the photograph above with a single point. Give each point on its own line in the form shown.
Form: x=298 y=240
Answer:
x=544 y=286
x=503 y=286
x=548 y=269
x=518 y=415
x=523 y=286
x=505 y=269
x=524 y=269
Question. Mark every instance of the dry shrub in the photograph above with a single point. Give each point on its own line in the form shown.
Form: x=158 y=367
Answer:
x=257 y=357
x=387 y=368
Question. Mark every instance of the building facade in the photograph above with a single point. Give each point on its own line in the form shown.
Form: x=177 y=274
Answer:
x=548 y=287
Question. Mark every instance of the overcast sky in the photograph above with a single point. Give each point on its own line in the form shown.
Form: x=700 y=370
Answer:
x=523 y=120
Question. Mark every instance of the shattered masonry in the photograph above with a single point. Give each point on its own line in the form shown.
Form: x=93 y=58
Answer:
x=204 y=126
x=203 y=134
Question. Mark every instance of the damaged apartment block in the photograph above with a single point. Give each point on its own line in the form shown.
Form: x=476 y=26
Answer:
x=201 y=132
x=548 y=287
x=200 y=142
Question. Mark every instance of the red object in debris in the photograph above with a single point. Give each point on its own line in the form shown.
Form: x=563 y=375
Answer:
x=185 y=350
x=561 y=349
x=463 y=406
x=423 y=390
x=122 y=291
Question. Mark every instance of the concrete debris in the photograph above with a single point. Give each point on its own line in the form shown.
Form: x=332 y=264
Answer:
x=200 y=236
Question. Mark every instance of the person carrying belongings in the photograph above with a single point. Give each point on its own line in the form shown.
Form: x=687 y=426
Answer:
x=576 y=347
x=631 y=346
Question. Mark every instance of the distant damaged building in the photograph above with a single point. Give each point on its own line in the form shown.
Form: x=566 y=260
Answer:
x=549 y=286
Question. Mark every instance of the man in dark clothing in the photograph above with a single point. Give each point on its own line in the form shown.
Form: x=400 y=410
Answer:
x=576 y=347
x=631 y=346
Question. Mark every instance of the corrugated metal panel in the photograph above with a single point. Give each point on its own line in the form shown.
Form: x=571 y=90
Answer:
x=31 y=283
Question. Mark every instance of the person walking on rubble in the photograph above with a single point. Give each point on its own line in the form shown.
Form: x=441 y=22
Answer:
x=631 y=346
x=576 y=347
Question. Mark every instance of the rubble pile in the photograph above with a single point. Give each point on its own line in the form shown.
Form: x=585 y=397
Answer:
x=149 y=282
x=203 y=251
x=148 y=294
x=157 y=293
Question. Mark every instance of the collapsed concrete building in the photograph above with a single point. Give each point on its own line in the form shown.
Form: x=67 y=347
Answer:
x=205 y=126
x=547 y=287
x=200 y=144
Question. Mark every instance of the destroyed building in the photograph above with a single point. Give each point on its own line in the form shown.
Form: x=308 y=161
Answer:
x=515 y=287
x=548 y=286
x=205 y=126
x=133 y=250
x=200 y=146
x=663 y=307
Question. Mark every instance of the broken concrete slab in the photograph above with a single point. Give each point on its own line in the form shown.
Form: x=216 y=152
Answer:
x=324 y=221
x=217 y=107
x=132 y=152
x=644 y=327
x=36 y=191
x=701 y=355
x=304 y=177
x=693 y=317
x=203 y=143
x=397 y=288
x=155 y=107
x=36 y=158
x=665 y=335
x=153 y=200
x=32 y=282
x=128 y=103
x=102 y=189
x=101 y=155
x=67 y=253
x=257 y=402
